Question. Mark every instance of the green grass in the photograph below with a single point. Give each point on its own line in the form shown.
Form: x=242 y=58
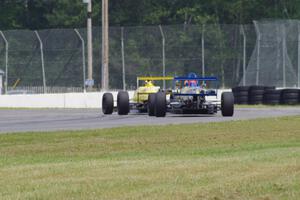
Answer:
x=257 y=159
x=267 y=106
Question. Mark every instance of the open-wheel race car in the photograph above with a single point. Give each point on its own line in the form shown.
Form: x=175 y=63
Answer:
x=190 y=95
x=139 y=101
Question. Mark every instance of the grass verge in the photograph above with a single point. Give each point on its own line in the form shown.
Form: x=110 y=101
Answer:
x=267 y=106
x=257 y=159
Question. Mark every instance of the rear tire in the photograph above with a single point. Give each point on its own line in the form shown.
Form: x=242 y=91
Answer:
x=107 y=103
x=227 y=104
x=123 y=103
x=160 y=104
x=151 y=105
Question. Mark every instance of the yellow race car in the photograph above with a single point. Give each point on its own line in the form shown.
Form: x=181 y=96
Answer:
x=140 y=98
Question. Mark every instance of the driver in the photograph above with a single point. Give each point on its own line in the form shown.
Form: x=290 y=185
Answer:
x=191 y=83
x=149 y=84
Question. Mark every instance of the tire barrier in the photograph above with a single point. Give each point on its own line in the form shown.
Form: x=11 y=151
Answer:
x=290 y=96
x=241 y=95
x=254 y=95
x=272 y=97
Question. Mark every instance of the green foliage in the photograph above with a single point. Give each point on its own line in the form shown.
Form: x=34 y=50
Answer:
x=10 y=14
x=37 y=14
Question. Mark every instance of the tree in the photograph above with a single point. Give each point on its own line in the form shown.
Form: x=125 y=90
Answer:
x=12 y=14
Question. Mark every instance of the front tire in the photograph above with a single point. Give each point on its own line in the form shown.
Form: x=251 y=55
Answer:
x=151 y=105
x=160 y=104
x=107 y=103
x=123 y=103
x=227 y=104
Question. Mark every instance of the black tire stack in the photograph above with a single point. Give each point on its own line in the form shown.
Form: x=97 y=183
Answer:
x=268 y=95
x=256 y=94
x=241 y=95
x=290 y=96
x=272 y=97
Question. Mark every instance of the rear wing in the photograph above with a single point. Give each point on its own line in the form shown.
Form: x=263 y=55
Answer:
x=183 y=78
x=199 y=79
x=153 y=78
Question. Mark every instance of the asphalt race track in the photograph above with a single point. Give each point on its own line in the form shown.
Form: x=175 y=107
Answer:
x=80 y=119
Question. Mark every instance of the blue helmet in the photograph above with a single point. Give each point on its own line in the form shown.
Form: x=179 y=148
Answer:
x=192 y=75
x=192 y=83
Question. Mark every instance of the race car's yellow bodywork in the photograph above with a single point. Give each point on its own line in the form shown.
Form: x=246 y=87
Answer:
x=142 y=93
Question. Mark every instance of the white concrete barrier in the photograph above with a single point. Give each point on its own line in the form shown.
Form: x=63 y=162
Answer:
x=67 y=100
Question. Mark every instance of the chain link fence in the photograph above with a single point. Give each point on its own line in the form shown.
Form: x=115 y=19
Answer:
x=276 y=57
x=54 y=61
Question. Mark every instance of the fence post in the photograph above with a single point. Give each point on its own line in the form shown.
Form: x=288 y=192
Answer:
x=258 y=60
x=278 y=49
x=123 y=59
x=284 y=51
x=244 y=53
x=203 y=49
x=298 y=55
x=6 y=61
x=83 y=58
x=258 y=52
x=105 y=46
x=163 y=55
x=42 y=59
